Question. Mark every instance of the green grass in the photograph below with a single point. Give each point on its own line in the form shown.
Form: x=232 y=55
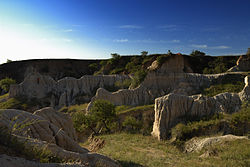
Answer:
x=137 y=150
x=4 y=96
x=11 y=146
x=12 y=103
x=22 y=103
x=74 y=108
x=237 y=124
x=125 y=109
x=221 y=88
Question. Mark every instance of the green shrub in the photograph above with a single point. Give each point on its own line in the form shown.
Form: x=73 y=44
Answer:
x=81 y=122
x=240 y=122
x=219 y=64
x=103 y=113
x=123 y=84
x=221 y=88
x=139 y=76
x=131 y=124
x=161 y=59
x=122 y=108
x=197 y=53
x=117 y=70
x=5 y=83
x=13 y=145
x=93 y=66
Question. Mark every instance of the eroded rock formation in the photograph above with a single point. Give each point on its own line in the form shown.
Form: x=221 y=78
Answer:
x=173 y=108
x=41 y=131
x=61 y=120
x=196 y=144
x=243 y=64
x=157 y=84
x=26 y=124
x=65 y=91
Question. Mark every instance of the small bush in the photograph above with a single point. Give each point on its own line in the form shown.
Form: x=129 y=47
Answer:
x=5 y=83
x=122 y=108
x=197 y=53
x=123 y=84
x=221 y=88
x=161 y=59
x=81 y=122
x=31 y=153
x=103 y=112
x=131 y=124
x=237 y=124
x=139 y=76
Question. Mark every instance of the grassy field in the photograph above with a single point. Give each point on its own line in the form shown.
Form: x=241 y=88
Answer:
x=74 y=108
x=135 y=150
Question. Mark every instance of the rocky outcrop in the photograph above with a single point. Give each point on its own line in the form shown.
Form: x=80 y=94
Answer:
x=9 y=161
x=61 y=120
x=65 y=91
x=45 y=133
x=159 y=84
x=34 y=126
x=173 y=63
x=243 y=64
x=196 y=144
x=173 y=108
x=245 y=93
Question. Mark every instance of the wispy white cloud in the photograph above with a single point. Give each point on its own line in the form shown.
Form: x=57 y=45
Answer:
x=130 y=27
x=211 y=29
x=220 y=47
x=204 y=46
x=68 y=30
x=120 y=40
x=175 y=41
x=199 y=46
x=77 y=25
x=66 y=40
x=170 y=27
x=146 y=41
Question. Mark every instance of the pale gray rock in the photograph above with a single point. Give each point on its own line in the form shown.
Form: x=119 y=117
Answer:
x=65 y=91
x=197 y=144
x=156 y=85
x=245 y=93
x=34 y=126
x=41 y=131
x=9 y=161
x=173 y=108
x=61 y=120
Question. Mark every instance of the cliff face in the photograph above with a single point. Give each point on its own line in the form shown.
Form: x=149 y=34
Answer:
x=157 y=84
x=64 y=91
x=243 y=64
x=173 y=108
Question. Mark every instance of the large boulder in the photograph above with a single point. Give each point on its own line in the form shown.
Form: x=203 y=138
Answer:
x=61 y=120
x=34 y=126
x=197 y=144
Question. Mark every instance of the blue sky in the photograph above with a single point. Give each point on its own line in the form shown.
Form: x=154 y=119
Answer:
x=92 y=29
